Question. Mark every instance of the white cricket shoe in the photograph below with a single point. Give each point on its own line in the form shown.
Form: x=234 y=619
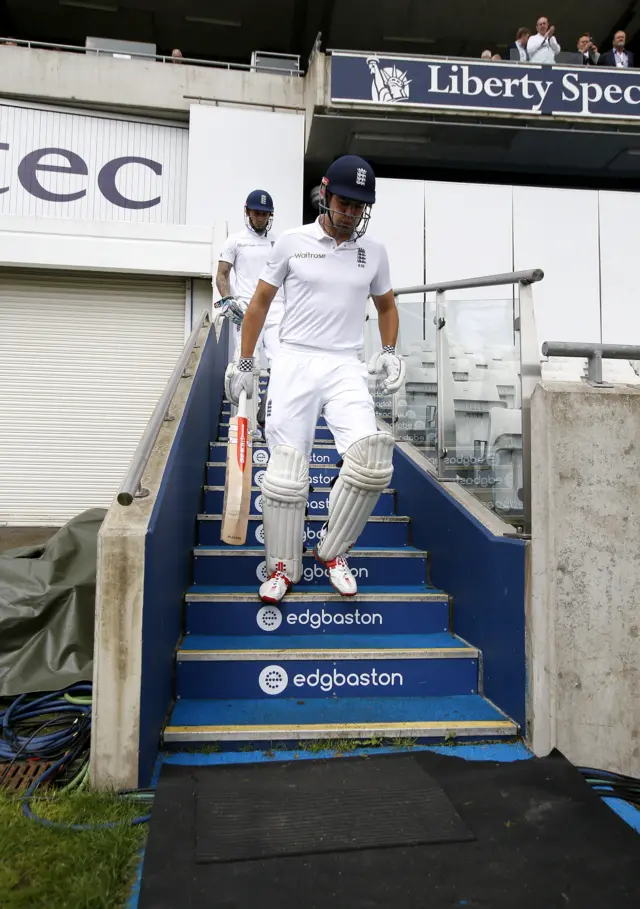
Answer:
x=275 y=587
x=340 y=576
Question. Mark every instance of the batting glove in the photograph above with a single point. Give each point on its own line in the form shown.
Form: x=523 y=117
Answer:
x=239 y=377
x=232 y=309
x=389 y=369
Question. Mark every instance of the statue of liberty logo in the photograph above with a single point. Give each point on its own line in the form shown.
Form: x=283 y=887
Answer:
x=389 y=84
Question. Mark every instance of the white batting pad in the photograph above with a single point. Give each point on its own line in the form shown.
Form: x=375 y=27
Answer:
x=366 y=471
x=285 y=490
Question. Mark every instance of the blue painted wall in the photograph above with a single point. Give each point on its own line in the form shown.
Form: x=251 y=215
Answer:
x=170 y=539
x=484 y=574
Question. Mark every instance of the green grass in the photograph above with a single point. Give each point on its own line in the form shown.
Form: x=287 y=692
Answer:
x=41 y=868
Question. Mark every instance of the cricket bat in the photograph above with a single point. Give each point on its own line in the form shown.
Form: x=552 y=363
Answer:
x=237 y=484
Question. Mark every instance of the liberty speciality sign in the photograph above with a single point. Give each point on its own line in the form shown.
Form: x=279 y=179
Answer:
x=521 y=88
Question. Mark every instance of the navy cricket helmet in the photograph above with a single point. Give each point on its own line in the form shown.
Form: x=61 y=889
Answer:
x=349 y=177
x=258 y=200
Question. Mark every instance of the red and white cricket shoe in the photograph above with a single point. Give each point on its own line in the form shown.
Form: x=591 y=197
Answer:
x=340 y=576
x=275 y=587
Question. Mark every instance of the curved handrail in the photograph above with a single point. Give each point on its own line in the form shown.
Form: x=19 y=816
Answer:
x=131 y=484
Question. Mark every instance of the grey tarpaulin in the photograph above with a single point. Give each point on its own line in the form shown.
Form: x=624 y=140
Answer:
x=47 y=607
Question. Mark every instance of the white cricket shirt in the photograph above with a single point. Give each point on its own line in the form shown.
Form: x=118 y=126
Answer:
x=247 y=252
x=326 y=286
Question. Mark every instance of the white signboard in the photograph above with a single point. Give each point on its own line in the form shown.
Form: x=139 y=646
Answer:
x=72 y=165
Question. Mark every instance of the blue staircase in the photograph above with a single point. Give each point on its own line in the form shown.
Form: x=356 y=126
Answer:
x=385 y=664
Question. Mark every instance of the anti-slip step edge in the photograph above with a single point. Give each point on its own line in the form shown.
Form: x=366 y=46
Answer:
x=316 y=595
x=262 y=466
x=436 y=729
x=201 y=719
x=326 y=446
x=406 y=552
x=374 y=519
x=384 y=492
x=258 y=648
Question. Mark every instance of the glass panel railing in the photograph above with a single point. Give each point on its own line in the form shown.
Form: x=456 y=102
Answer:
x=472 y=364
x=481 y=402
x=412 y=414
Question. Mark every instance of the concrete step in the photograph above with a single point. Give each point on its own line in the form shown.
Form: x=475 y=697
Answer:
x=364 y=665
x=321 y=476
x=318 y=501
x=381 y=530
x=317 y=612
x=274 y=720
x=320 y=454
x=237 y=566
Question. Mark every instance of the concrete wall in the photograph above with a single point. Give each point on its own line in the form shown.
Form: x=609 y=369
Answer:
x=135 y=85
x=583 y=617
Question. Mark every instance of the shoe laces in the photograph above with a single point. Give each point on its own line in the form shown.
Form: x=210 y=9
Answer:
x=340 y=562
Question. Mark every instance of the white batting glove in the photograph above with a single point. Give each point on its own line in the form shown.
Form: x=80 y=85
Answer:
x=389 y=370
x=239 y=377
x=232 y=309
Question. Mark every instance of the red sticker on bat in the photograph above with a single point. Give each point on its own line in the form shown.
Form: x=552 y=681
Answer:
x=243 y=433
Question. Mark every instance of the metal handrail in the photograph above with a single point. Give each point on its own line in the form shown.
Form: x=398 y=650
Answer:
x=131 y=487
x=511 y=277
x=140 y=55
x=594 y=354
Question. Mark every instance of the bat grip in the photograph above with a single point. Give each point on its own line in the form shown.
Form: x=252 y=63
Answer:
x=242 y=404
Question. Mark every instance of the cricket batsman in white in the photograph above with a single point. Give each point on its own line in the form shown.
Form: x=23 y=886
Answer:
x=328 y=271
x=246 y=253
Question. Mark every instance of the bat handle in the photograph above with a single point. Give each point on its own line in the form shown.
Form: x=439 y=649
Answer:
x=242 y=404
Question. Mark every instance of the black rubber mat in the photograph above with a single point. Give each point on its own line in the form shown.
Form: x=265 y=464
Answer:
x=256 y=811
x=544 y=840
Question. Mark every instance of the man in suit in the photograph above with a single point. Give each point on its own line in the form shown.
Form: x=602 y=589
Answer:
x=520 y=45
x=618 y=55
x=589 y=51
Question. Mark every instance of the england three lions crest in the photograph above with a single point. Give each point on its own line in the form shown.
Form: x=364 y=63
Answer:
x=389 y=84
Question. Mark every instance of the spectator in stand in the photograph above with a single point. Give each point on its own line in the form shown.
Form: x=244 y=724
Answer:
x=520 y=44
x=485 y=55
x=589 y=51
x=496 y=57
x=543 y=47
x=10 y=43
x=618 y=55
x=176 y=55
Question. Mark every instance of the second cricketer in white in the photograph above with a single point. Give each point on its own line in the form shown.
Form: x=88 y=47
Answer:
x=327 y=271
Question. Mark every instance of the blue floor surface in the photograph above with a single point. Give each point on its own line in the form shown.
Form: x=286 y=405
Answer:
x=204 y=712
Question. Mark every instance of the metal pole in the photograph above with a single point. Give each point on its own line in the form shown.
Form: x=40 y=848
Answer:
x=442 y=350
x=530 y=373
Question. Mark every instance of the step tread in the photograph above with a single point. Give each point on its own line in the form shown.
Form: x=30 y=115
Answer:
x=313 y=466
x=404 y=552
x=349 y=641
x=315 y=489
x=325 y=446
x=326 y=718
x=317 y=594
x=346 y=646
x=374 y=519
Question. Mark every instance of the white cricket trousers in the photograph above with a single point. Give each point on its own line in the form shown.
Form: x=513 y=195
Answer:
x=306 y=383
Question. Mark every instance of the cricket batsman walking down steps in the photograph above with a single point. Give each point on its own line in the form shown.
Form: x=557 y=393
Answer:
x=240 y=264
x=328 y=269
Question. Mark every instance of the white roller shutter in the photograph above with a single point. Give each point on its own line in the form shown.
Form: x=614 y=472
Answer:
x=83 y=360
